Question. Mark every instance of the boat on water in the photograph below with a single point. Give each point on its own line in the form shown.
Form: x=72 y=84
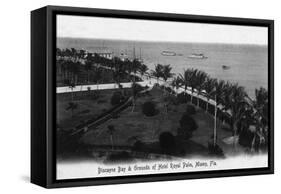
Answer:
x=225 y=67
x=197 y=56
x=168 y=53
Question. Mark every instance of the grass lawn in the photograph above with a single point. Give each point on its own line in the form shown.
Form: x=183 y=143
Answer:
x=88 y=107
x=130 y=126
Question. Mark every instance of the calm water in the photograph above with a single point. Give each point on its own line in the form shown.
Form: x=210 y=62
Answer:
x=248 y=63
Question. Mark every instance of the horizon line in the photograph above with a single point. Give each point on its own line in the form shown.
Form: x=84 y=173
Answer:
x=168 y=41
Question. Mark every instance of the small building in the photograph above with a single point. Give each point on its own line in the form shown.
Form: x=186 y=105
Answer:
x=108 y=55
x=103 y=52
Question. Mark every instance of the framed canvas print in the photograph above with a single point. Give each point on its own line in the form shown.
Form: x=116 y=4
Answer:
x=125 y=96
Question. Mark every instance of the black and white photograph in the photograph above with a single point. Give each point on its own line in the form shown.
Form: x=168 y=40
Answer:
x=142 y=97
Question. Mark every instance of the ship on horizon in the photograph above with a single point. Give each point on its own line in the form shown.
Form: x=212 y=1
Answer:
x=168 y=53
x=197 y=56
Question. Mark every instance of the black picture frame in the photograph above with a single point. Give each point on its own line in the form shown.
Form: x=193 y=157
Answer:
x=43 y=95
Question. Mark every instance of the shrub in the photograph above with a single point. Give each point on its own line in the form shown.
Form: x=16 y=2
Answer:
x=190 y=109
x=116 y=98
x=148 y=109
x=246 y=138
x=187 y=126
x=167 y=141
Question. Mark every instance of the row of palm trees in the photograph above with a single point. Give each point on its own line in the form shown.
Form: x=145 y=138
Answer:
x=69 y=61
x=162 y=71
x=231 y=97
x=71 y=53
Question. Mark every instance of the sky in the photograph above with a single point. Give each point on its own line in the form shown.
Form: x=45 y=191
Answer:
x=149 y=30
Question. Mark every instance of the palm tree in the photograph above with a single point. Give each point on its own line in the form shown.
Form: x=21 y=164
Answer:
x=136 y=65
x=73 y=69
x=98 y=76
x=88 y=63
x=72 y=86
x=96 y=57
x=68 y=53
x=58 y=52
x=158 y=72
x=166 y=72
x=200 y=78
x=60 y=67
x=176 y=82
x=168 y=99
x=119 y=71
x=225 y=98
x=136 y=88
x=116 y=78
x=185 y=78
x=76 y=69
x=66 y=66
x=111 y=130
x=261 y=102
x=261 y=105
x=89 y=57
x=65 y=69
x=74 y=54
x=82 y=54
x=237 y=107
x=209 y=87
x=128 y=66
x=143 y=69
x=218 y=93
x=88 y=67
x=188 y=80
